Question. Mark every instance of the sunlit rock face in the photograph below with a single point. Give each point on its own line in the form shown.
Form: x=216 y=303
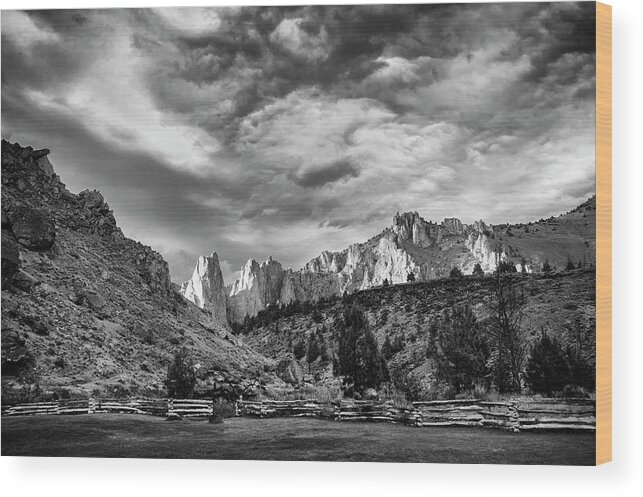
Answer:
x=206 y=287
x=258 y=287
x=410 y=246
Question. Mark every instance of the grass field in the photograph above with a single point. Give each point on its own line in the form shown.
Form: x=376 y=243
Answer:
x=285 y=439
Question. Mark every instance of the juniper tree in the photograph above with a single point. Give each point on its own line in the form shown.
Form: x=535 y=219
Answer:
x=358 y=357
x=477 y=270
x=181 y=377
x=547 y=370
x=458 y=348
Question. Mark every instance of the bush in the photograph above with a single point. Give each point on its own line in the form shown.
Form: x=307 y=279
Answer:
x=299 y=349
x=477 y=270
x=223 y=410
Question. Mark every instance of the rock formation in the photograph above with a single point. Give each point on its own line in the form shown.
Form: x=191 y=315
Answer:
x=206 y=288
x=411 y=246
x=258 y=287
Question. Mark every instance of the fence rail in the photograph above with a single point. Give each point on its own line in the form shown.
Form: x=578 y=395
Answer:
x=515 y=414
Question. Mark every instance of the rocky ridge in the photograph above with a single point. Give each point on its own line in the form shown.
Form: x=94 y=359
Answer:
x=413 y=246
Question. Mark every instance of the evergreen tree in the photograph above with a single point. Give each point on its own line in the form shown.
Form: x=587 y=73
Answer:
x=313 y=349
x=458 y=349
x=547 y=370
x=506 y=267
x=410 y=277
x=299 y=349
x=386 y=282
x=455 y=273
x=477 y=270
x=387 y=348
x=181 y=377
x=358 y=357
x=570 y=264
x=546 y=266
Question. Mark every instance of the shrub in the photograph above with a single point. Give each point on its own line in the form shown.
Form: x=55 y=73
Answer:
x=477 y=270
x=299 y=349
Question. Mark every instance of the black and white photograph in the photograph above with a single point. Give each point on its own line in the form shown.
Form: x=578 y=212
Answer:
x=354 y=233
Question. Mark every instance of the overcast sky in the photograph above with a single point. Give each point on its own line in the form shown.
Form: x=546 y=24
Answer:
x=287 y=131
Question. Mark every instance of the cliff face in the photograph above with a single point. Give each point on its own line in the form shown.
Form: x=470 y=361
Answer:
x=413 y=249
x=84 y=308
x=258 y=287
x=206 y=288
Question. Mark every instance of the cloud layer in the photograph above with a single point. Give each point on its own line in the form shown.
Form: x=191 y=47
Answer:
x=285 y=131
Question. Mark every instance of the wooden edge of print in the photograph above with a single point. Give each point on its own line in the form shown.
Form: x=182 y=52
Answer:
x=603 y=233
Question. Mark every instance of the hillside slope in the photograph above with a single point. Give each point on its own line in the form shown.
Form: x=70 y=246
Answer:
x=84 y=308
x=563 y=304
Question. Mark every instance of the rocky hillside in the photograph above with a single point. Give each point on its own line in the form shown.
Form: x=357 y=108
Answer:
x=84 y=308
x=412 y=248
x=563 y=304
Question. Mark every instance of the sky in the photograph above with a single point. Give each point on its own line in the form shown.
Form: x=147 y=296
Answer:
x=285 y=131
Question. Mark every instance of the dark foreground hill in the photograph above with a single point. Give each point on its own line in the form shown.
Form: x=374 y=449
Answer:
x=85 y=309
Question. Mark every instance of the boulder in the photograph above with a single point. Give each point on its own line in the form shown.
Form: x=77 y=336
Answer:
x=289 y=370
x=25 y=281
x=93 y=200
x=94 y=301
x=370 y=394
x=33 y=228
x=172 y=416
x=10 y=258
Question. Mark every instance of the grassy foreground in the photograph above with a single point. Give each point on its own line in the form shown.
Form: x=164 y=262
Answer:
x=291 y=439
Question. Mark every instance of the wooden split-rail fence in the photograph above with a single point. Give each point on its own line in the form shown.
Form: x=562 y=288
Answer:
x=515 y=415
x=524 y=414
x=155 y=407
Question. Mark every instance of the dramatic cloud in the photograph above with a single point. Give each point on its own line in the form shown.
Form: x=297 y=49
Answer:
x=285 y=131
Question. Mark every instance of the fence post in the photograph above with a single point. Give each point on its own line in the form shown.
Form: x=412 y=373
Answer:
x=170 y=406
x=514 y=416
x=91 y=406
